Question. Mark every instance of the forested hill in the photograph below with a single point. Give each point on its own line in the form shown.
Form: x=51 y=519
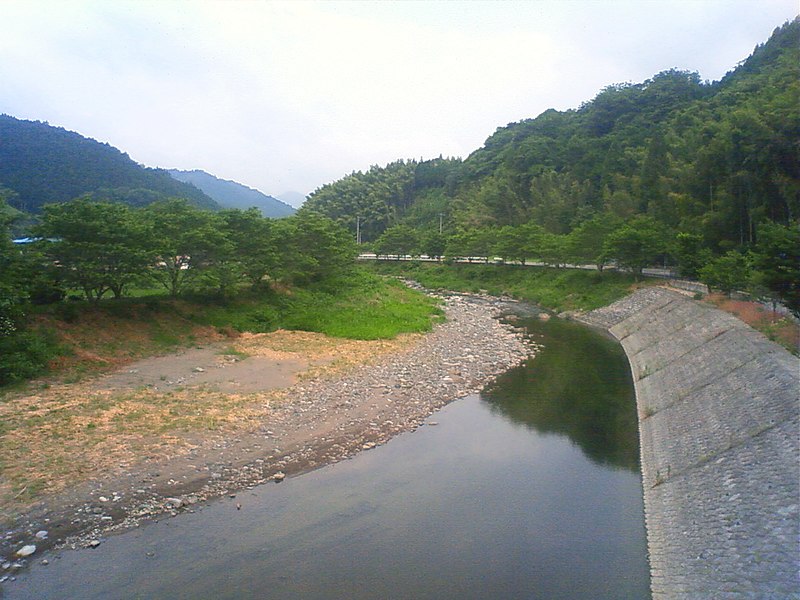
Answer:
x=231 y=194
x=709 y=160
x=41 y=164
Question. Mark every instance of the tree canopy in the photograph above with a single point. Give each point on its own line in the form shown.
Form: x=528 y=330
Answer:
x=673 y=168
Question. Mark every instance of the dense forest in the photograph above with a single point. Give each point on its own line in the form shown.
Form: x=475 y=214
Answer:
x=41 y=164
x=673 y=170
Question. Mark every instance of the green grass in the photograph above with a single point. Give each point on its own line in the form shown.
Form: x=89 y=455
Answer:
x=554 y=289
x=371 y=308
x=363 y=306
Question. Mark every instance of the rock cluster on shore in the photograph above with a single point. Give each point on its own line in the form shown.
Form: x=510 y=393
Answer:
x=324 y=420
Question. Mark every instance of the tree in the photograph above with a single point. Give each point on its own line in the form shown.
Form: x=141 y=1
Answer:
x=400 y=240
x=254 y=243
x=187 y=242
x=727 y=273
x=470 y=243
x=315 y=248
x=553 y=249
x=586 y=243
x=433 y=244
x=690 y=254
x=12 y=296
x=777 y=261
x=636 y=244
x=98 y=246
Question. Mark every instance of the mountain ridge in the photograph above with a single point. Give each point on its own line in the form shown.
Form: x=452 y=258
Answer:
x=232 y=194
x=42 y=164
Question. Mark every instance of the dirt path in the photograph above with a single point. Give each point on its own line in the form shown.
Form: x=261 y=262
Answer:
x=169 y=432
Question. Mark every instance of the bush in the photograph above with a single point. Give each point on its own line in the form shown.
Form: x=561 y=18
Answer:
x=727 y=273
x=24 y=355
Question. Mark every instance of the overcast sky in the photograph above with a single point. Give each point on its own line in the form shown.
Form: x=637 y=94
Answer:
x=287 y=96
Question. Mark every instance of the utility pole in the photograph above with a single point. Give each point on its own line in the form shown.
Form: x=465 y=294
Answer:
x=358 y=230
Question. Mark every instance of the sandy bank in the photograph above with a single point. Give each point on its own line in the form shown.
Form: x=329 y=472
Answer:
x=281 y=411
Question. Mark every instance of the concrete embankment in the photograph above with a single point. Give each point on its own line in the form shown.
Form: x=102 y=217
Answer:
x=719 y=422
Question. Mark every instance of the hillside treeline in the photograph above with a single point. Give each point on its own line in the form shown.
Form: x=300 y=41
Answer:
x=41 y=164
x=674 y=170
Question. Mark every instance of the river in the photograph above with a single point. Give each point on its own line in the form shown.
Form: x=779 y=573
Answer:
x=528 y=490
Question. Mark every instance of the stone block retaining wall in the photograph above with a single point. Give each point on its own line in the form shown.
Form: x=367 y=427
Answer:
x=719 y=423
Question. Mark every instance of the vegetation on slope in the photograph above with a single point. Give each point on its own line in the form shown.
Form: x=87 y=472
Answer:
x=41 y=164
x=232 y=269
x=704 y=176
x=555 y=289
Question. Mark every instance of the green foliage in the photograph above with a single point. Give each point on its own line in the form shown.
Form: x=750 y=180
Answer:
x=187 y=242
x=587 y=242
x=97 y=245
x=714 y=161
x=727 y=273
x=25 y=354
x=363 y=306
x=45 y=165
x=367 y=308
x=690 y=254
x=315 y=249
x=399 y=239
x=255 y=245
x=433 y=244
x=476 y=242
x=777 y=260
x=556 y=289
x=637 y=243
x=383 y=195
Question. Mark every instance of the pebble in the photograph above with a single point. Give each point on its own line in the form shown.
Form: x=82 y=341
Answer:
x=26 y=550
x=395 y=393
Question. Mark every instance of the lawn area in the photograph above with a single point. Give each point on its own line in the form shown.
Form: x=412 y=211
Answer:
x=555 y=289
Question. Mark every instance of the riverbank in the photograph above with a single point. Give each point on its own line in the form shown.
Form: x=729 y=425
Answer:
x=718 y=420
x=346 y=397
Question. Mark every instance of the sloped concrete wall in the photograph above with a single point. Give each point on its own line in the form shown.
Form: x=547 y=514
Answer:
x=719 y=423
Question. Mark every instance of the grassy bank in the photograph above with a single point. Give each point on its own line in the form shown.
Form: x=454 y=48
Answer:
x=76 y=338
x=555 y=289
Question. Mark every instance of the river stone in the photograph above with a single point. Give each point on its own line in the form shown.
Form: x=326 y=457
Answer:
x=26 y=550
x=173 y=503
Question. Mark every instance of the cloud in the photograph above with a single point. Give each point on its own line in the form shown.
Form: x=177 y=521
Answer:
x=291 y=95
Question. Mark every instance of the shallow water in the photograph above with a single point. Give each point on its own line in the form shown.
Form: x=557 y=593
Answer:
x=530 y=490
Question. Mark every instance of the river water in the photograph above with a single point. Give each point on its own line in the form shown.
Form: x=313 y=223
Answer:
x=529 y=490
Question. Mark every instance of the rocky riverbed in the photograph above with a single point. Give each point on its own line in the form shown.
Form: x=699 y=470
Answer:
x=323 y=419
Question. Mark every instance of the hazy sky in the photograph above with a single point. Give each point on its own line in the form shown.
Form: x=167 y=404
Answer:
x=291 y=95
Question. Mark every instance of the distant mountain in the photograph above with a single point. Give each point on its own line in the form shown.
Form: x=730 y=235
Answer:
x=230 y=194
x=293 y=198
x=42 y=164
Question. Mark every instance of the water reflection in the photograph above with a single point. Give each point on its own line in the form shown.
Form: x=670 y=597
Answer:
x=580 y=386
x=476 y=508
